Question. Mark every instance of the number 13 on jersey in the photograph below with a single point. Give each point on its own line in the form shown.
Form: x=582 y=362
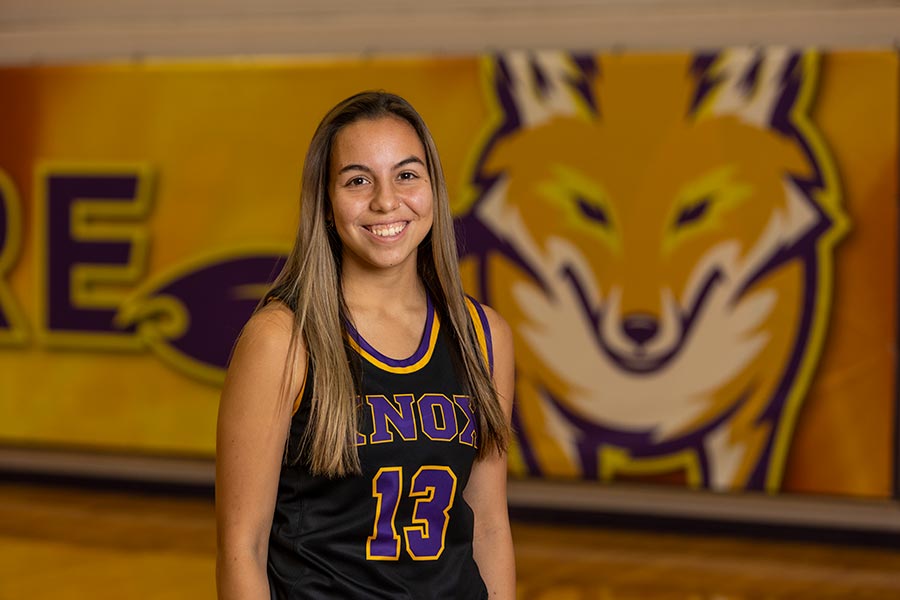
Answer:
x=433 y=489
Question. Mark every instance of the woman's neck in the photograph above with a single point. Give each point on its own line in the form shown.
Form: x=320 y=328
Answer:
x=366 y=291
x=390 y=310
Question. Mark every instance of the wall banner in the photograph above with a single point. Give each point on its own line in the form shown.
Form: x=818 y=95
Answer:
x=697 y=253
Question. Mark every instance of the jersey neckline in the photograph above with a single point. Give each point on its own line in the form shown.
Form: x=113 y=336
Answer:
x=416 y=361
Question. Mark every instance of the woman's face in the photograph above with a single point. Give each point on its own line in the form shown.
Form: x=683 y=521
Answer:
x=380 y=193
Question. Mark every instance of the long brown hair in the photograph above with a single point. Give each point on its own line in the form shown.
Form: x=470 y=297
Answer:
x=310 y=284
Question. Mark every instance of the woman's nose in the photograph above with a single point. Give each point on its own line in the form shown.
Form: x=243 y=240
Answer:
x=385 y=199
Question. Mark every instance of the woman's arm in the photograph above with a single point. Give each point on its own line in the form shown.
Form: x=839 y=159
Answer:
x=254 y=417
x=486 y=490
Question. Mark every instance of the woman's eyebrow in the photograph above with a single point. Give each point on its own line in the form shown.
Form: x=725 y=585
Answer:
x=410 y=160
x=354 y=167
x=365 y=169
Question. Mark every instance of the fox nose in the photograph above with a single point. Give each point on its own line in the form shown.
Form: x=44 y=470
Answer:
x=640 y=327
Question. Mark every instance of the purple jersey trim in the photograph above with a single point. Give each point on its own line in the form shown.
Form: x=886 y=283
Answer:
x=487 y=332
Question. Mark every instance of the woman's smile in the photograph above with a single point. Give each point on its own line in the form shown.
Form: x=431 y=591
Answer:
x=387 y=230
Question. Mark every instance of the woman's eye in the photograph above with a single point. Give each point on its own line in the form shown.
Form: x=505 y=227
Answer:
x=407 y=175
x=693 y=212
x=357 y=181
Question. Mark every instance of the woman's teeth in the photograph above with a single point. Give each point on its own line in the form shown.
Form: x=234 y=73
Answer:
x=387 y=230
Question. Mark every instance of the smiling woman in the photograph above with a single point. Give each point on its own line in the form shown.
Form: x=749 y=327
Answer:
x=367 y=390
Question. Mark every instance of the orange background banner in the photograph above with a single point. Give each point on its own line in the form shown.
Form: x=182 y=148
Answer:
x=145 y=205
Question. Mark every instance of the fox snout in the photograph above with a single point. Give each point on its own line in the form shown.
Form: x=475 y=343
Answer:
x=642 y=338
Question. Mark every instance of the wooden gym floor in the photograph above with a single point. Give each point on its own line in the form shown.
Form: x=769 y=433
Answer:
x=71 y=543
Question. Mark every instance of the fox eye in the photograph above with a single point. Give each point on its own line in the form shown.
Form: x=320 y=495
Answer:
x=693 y=212
x=592 y=211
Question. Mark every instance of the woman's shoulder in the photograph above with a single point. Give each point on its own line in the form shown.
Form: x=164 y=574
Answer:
x=266 y=352
x=492 y=329
x=272 y=319
x=273 y=313
x=270 y=331
x=488 y=316
x=498 y=345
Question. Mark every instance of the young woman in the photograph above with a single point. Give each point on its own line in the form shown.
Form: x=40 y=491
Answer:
x=361 y=444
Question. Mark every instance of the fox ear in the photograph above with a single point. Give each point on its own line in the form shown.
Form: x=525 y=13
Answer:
x=757 y=85
x=535 y=86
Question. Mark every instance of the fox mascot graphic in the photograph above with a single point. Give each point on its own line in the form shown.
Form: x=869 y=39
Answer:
x=659 y=233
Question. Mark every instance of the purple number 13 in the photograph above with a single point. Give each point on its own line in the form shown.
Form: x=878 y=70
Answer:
x=434 y=489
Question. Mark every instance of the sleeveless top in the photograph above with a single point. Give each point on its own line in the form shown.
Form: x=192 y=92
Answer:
x=400 y=529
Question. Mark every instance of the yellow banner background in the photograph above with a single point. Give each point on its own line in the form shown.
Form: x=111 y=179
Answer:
x=222 y=144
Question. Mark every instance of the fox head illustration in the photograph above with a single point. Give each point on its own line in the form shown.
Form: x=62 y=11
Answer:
x=659 y=232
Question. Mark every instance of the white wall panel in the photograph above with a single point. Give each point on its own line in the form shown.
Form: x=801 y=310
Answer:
x=66 y=31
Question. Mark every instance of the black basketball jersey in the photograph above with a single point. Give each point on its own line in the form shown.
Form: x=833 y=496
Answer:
x=401 y=529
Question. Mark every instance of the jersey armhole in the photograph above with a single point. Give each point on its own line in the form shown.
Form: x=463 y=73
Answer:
x=299 y=399
x=482 y=331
